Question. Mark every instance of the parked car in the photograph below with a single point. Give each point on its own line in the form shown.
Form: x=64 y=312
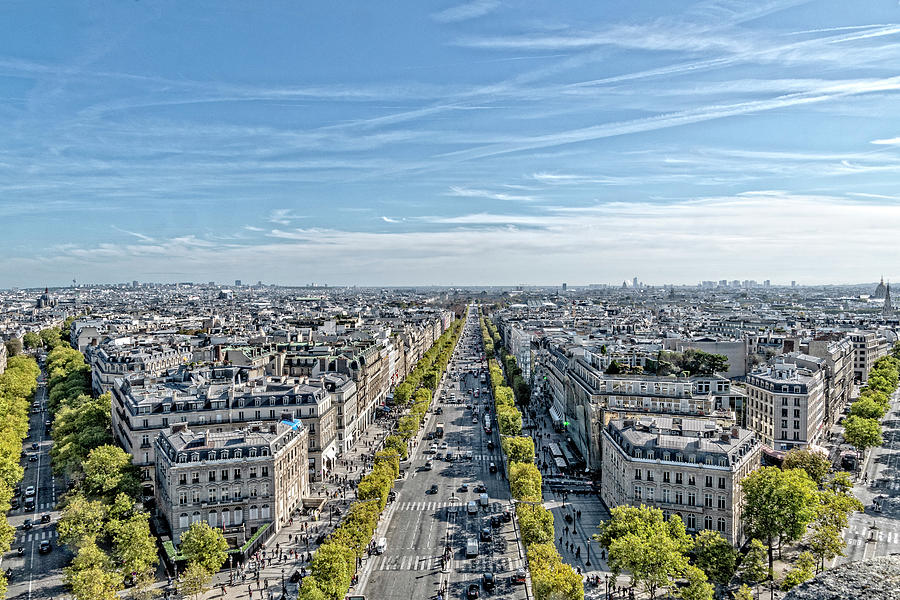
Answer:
x=496 y=521
x=45 y=518
x=27 y=524
x=433 y=489
x=486 y=535
x=45 y=547
x=487 y=582
x=472 y=591
x=464 y=487
x=472 y=507
x=34 y=445
x=29 y=491
x=480 y=489
x=519 y=576
x=506 y=515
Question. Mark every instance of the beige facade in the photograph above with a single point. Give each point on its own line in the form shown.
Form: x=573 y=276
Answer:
x=786 y=405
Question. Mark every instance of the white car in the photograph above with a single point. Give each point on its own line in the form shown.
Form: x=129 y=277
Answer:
x=29 y=491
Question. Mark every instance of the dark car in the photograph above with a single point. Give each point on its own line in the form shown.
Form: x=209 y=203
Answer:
x=472 y=591
x=45 y=547
x=32 y=457
x=480 y=489
x=45 y=518
x=486 y=535
x=27 y=524
x=487 y=582
x=490 y=444
x=506 y=516
x=464 y=487
x=14 y=503
x=496 y=521
x=439 y=411
x=433 y=489
x=519 y=577
x=34 y=445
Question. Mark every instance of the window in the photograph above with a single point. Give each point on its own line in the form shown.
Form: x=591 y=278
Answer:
x=212 y=518
x=253 y=491
x=252 y=474
x=182 y=458
x=679 y=478
x=649 y=475
x=707 y=500
x=665 y=495
x=252 y=452
x=708 y=481
x=195 y=457
x=238 y=453
x=238 y=516
x=224 y=474
x=265 y=471
x=721 y=483
x=254 y=513
x=237 y=474
x=264 y=513
x=796 y=413
x=707 y=522
x=691 y=480
x=667 y=477
x=784 y=412
x=265 y=489
x=226 y=518
x=637 y=492
x=182 y=498
x=784 y=423
x=691 y=522
x=165 y=422
x=211 y=495
x=720 y=524
x=721 y=500
x=195 y=477
x=796 y=401
x=145 y=440
x=637 y=474
x=182 y=479
x=650 y=494
x=679 y=497
x=796 y=424
x=183 y=521
x=195 y=496
x=212 y=475
x=797 y=435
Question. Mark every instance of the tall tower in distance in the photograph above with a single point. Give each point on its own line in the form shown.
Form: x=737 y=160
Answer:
x=887 y=310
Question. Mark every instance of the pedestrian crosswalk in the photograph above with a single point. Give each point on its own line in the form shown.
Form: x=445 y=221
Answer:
x=493 y=507
x=35 y=536
x=479 y=564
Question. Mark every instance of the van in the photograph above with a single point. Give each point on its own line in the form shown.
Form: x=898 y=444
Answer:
x=381 y=545
x=483 y=499
x=471 y=547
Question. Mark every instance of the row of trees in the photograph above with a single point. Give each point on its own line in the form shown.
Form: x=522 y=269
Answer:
x=334 y=562
x=550 y=576
x=862 y=428
x=17 y=386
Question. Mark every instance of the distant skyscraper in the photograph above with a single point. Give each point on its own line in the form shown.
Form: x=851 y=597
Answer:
x=793 y=283
x=237 y=282
x=635 y=283
x=564 y=287
x=767 y=283
x=134 y=283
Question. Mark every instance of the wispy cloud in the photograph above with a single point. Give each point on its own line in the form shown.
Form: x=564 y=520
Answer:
x=140 y=236
x=283 y=216
x=466 y=11
x=389 y=220
x=887 y=142
x=466 y=192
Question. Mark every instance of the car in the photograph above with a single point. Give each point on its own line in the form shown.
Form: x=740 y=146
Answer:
x=28 y=524
x=433 y=489
x=519 y=576
x=36 y=408
x=469 y=455
x=429 y=436
x=480 y=489
x=439 y=411
x=487 y=582
x=506 y=515
x=45 y=518
x=34 y=445
x=29 y=491
x=471 y=507
x=431 y=449
x=496 y=521
x=450 y=456
x=472 y=591
x=444 y=446
x=490 y=444
x=14 y=503
x=29 y=503
x=464 y=487
x=474 y=419
x=492 y=468
x=32 y=457
x=45 y=547
x=486 y=535
x=428 y=465
x=439 y=456
x=47 y=424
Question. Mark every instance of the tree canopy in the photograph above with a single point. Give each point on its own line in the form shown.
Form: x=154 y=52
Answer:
x=205 y=545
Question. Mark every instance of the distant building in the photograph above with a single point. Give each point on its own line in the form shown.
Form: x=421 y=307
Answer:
x=880 y=290
x=786 y=405
x=237 y=282
x=564 y=287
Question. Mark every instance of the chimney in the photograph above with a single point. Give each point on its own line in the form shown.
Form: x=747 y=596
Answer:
x=735 y=432
x=180 y=426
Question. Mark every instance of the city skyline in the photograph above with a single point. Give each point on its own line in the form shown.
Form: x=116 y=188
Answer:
x=454 y=143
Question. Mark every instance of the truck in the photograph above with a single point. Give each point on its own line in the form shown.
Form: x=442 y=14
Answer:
x=439 y=430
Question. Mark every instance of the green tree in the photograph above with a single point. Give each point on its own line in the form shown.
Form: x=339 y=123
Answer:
x=613 y=368
x=134 y=547
x=31 y=340
x=802 y=571
x=743 y=593
x=108 y=472
x=518 y=448
x=639 y=540
x=868 y=408
x=195 y=580
x=525 y=482
x=310 y=590
x=535 y=523
x=551 y=577
x=14 y=347
x=778 y=505
x=715 y=556
x=205 y=545
x=509 y=420
x=81 y=522
x=92 y=577
x=825 y=542
x=862 y=433
x=816 y=464
x=753 y=565
x=329 y=567
x=697 y=587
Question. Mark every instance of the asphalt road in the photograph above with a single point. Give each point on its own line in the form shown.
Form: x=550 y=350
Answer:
x=418 y=525
x=36 y=575
x=877 y=533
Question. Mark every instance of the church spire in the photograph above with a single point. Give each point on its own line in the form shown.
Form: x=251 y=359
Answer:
x=887 y=310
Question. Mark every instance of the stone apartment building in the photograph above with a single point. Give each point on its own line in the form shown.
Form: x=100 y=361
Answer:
x=238 y=480
x=868 y=347
x=786 y=405
x=223 y=399
x=837 y=352
x=690 y=467
x=123 y=357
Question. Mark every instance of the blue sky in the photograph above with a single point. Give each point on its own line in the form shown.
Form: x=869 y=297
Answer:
x=482 y=142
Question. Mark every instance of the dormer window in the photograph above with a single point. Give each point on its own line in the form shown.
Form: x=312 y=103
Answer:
x=182 y=458
x=195 y=457
x=252 y=452
x=238 y=453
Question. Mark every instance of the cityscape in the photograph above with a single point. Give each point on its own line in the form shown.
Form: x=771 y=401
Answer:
x=450 y=300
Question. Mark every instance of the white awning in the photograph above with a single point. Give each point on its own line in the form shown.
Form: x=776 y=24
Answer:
x=554 y=414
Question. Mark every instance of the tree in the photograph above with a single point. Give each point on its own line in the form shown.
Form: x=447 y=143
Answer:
x=778 y=505
x=535 y=523
x=329 y=567
x=81 y=522
x=802 y=571
x=518 y=448
x=816 y=464
x=31 y=340
x=697 y=587
x=310 y=590
x=639 y=540
x=195 y=580
x=715 y=556
x=868 y=408
x=525 y=482
x=862 y=433
x=92 y=577
x=108 y=472
x=613 y=369
x=743 y=593
x=753 y=566
x=14 y=347
x=134 y=546
x=205 y=545
x=509 y=420
x=552 y=578
x=825 y=543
